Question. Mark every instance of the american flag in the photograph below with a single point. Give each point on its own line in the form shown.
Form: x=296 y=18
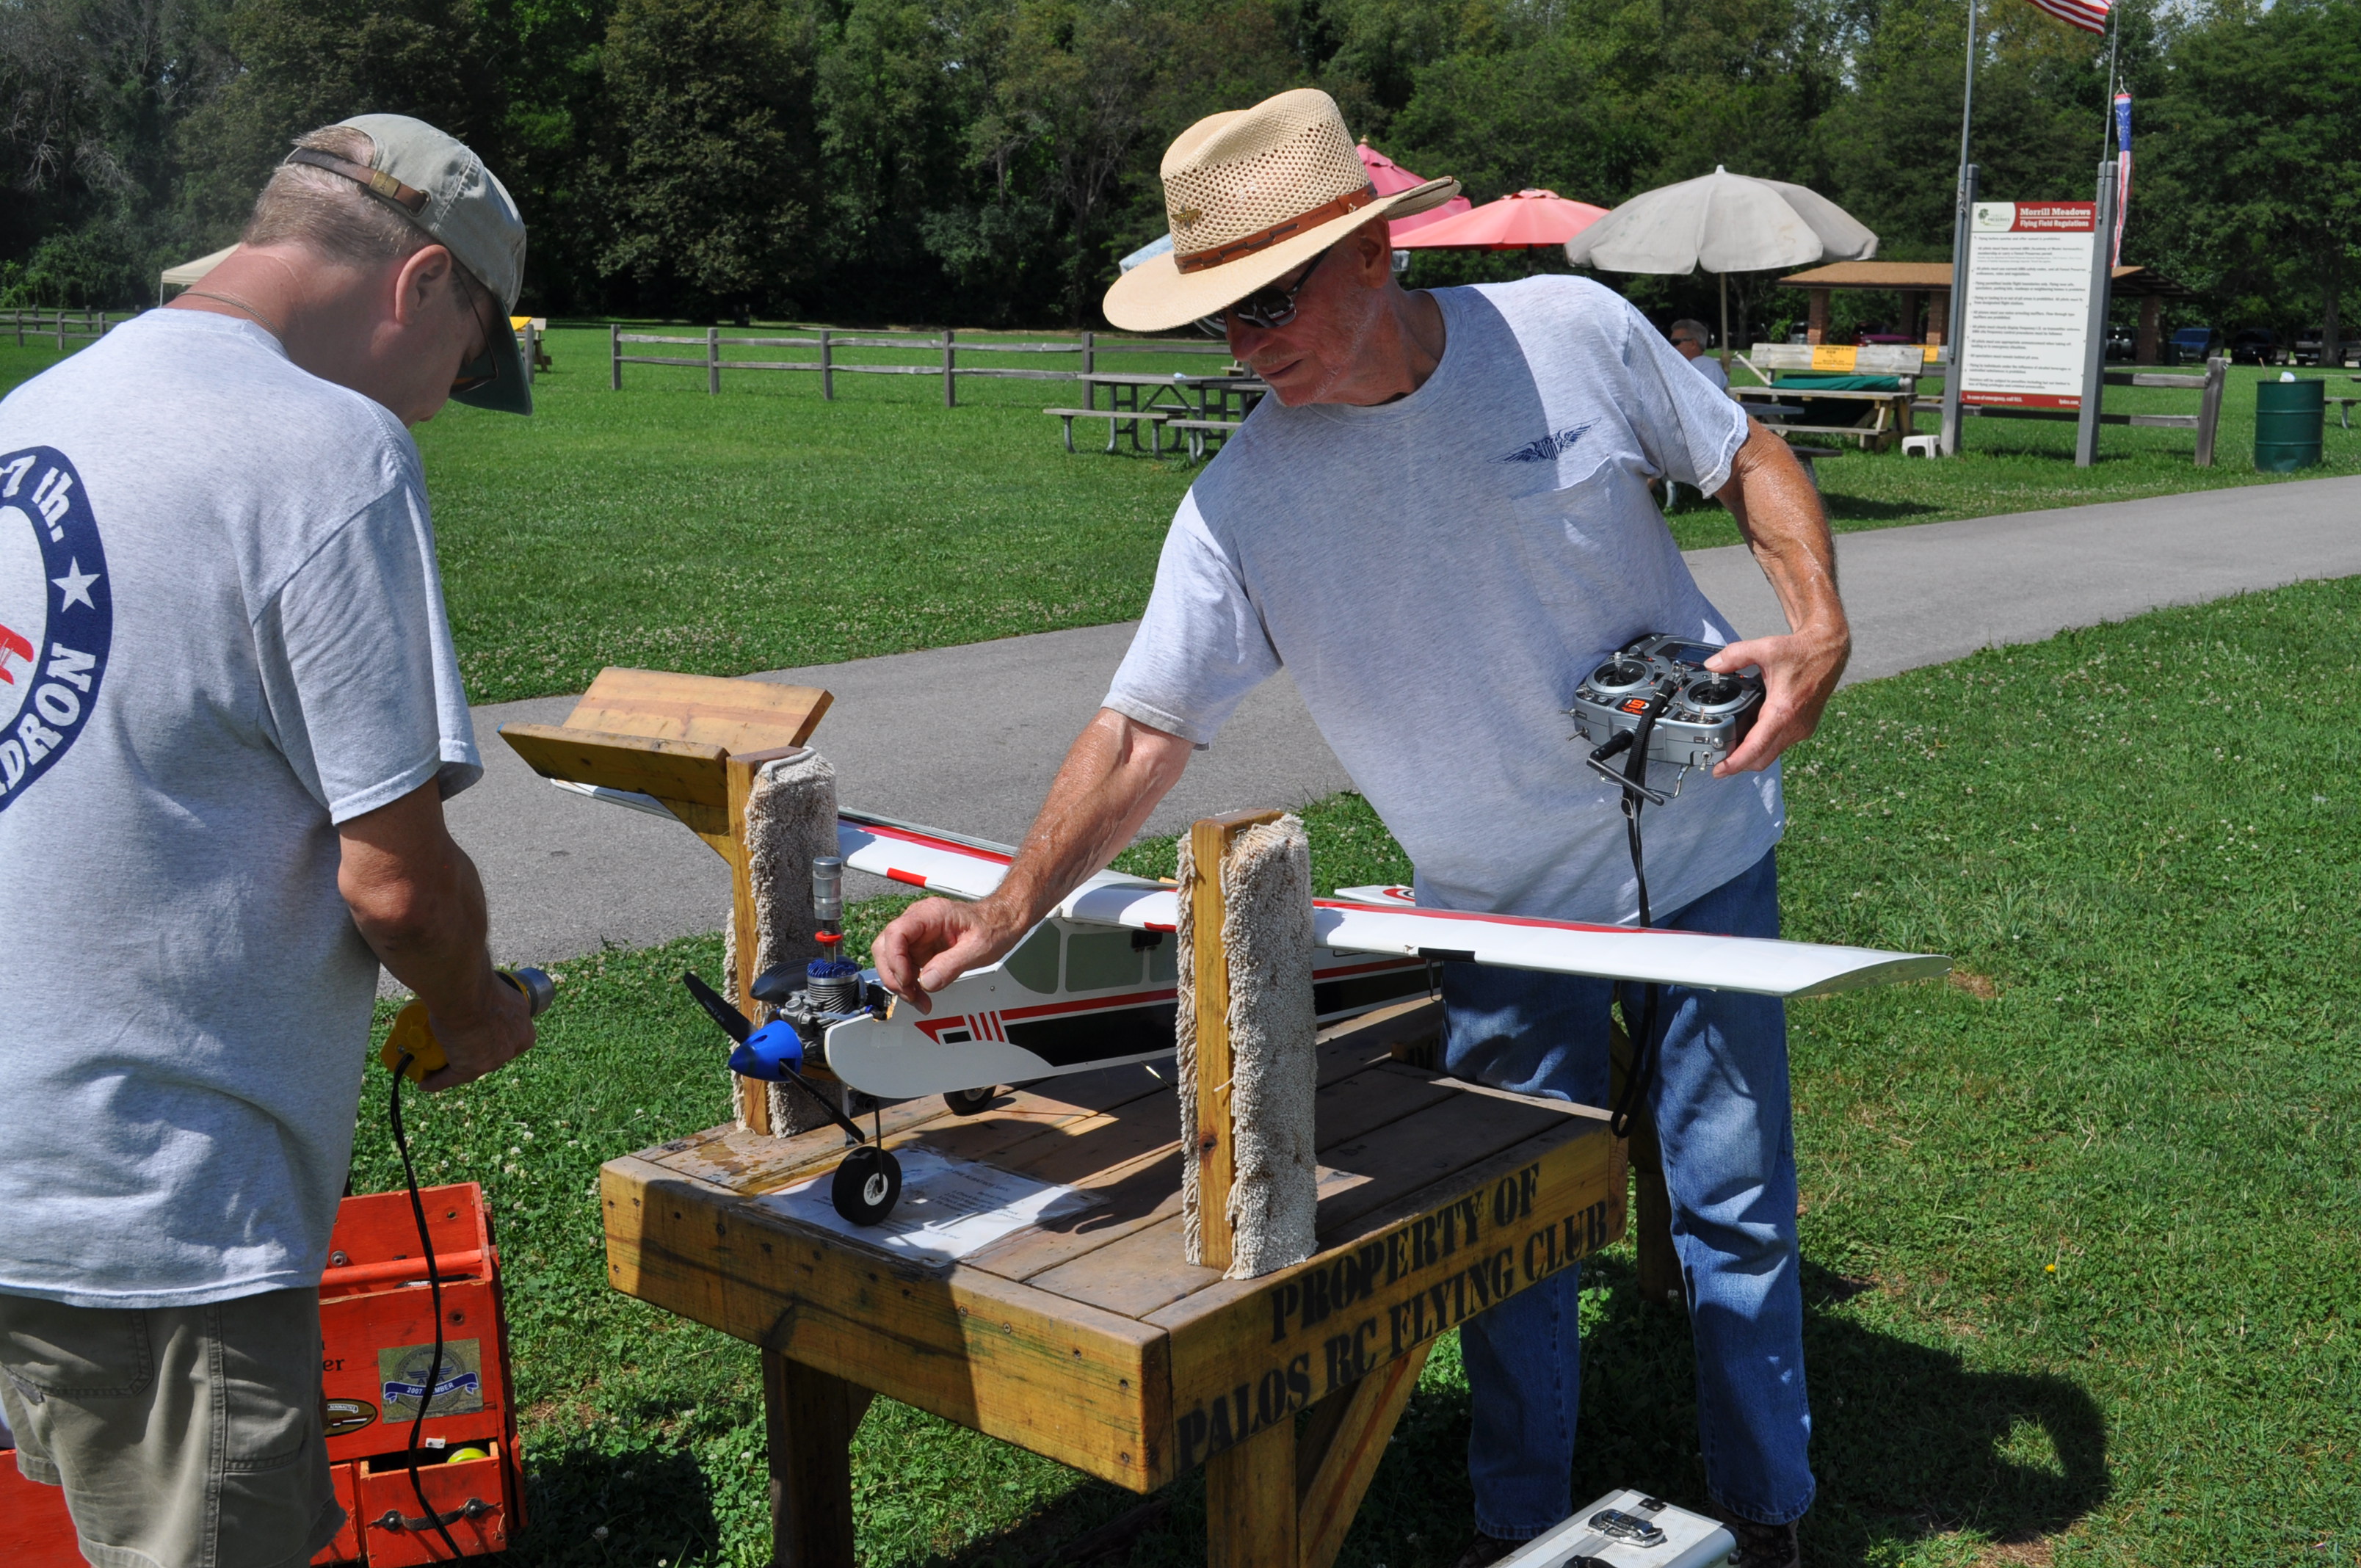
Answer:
x=2091 y=15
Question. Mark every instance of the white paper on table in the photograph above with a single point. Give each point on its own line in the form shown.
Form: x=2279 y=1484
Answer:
x=949 y=1208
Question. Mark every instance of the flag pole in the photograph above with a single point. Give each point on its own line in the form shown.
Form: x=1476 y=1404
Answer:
x=2107 y=118
x=1968 y=95
x=1950 y=439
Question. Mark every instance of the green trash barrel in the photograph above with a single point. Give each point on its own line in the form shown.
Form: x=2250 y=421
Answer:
x=2288 y=419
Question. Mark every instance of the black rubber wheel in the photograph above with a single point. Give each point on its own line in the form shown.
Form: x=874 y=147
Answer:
x=867 y=1185
x=968 y=1101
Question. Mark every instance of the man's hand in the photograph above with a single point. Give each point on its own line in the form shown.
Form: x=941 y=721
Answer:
x=1115 y=772
x=935 y=941
x=1778 y=510
x=493 y=1032
x=1799 y=674
x=419 y=904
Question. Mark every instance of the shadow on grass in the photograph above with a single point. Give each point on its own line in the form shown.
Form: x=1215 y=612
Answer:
x=654 y=1504
x=1861 y=508
x=1910 y=1442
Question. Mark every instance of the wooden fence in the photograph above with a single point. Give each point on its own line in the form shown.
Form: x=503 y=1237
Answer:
x=2205 y=421
x=59 y=324
x=828 y=342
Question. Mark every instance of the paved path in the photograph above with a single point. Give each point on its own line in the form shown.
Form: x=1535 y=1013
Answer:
x=968 y=738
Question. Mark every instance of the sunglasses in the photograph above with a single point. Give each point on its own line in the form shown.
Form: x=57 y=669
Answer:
x=1272 y=305
x=482 y=369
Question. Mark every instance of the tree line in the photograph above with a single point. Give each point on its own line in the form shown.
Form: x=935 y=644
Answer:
x=987 y=161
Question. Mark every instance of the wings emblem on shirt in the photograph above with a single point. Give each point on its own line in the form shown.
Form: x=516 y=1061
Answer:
x=1548 y=449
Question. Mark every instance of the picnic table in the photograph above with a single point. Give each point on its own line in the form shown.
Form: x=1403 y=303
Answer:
x=1883 y=377
x=1197 y=406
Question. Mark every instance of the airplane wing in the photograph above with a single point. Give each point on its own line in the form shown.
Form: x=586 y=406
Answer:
x=1385 y=918
x=1385 y=921
x=1761 y=965
x=957 y=866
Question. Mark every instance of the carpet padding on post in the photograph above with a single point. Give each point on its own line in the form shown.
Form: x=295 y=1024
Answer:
x=790 y=819
x=1248 y=1071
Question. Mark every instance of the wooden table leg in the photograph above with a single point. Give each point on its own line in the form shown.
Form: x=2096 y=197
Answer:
x=811 y=1416
x=1339 y=1452
x=1250 y=1502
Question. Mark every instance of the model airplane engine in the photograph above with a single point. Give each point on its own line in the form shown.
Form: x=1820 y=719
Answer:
x=832 y=988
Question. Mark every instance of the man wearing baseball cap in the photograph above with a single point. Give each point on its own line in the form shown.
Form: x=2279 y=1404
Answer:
x=230 y=711
x=1439 y=523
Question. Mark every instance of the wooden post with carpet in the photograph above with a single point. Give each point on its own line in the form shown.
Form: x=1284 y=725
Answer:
x=1111 y=1339
x=695 y=743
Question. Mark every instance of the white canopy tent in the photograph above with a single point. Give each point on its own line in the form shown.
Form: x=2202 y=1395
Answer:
x=188 y=272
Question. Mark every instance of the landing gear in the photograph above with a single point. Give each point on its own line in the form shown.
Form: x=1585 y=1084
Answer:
x=968 y=1101
x=867 y=1185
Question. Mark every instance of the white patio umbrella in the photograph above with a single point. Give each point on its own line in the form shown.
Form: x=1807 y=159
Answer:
x=1724 y=223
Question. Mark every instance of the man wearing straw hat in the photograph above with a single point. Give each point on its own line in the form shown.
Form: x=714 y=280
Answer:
x=1439 y=523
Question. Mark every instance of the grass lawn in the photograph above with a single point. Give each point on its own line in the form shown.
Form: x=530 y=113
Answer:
x=661 y=527
x=2078 y=1228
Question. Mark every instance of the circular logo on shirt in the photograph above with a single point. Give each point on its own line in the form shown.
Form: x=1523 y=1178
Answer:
x=56 y=617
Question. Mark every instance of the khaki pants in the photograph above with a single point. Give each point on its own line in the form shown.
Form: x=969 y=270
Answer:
x=185 y=1437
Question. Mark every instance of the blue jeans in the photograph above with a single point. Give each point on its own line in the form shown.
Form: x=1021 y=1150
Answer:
x=1719 y=1097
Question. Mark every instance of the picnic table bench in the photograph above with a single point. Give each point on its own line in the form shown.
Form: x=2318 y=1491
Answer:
x=1152 y=418
x=1086 y=1336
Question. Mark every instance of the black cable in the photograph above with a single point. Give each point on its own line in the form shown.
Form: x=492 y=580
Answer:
x=434 y=1291
x=1643 y=1042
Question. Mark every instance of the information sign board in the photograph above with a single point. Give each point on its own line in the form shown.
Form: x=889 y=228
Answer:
x=2027 y=327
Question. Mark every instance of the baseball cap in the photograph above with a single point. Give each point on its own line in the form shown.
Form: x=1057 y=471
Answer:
x=439 y=184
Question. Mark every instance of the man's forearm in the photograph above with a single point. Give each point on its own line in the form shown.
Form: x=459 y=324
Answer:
x=417 y=900
x=1113 y=775
x=1778 y=510
x=1779 y=514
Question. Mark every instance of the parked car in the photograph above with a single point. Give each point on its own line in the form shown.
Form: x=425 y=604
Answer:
x=2255 y=345
x=2196 y=344
x=2307 y=348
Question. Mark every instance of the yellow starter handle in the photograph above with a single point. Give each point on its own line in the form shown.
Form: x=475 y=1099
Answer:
x=412 y=1033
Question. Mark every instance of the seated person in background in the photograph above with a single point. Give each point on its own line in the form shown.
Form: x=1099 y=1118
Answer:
x=1691 y=337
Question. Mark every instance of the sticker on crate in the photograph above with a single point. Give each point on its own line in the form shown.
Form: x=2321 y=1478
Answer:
x=352 y=1415
x=458 y=1386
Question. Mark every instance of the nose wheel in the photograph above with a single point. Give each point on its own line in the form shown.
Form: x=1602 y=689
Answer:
x=867 y=1185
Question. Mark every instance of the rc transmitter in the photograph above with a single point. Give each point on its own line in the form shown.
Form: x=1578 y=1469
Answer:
x=1699 y=716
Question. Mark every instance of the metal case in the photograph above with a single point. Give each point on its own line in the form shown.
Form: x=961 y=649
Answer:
x=1627 y=1530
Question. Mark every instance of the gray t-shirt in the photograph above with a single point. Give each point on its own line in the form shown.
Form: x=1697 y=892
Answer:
x=221 y=634
x=1439 y=573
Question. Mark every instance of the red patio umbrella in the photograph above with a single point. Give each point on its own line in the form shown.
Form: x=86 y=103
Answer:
x=1521 y=222
x=1389 y=177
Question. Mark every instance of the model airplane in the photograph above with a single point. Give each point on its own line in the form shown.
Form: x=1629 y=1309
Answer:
x=1095 y=984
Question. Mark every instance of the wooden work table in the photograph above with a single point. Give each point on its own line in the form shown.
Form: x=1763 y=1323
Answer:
x=1090 y=1339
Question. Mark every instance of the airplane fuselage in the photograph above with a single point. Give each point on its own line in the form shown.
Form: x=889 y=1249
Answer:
x=1071 y=997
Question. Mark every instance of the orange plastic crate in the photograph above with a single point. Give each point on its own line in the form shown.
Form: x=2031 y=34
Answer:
x=377 y=1326
x=479 y=1491
x=35 y=1529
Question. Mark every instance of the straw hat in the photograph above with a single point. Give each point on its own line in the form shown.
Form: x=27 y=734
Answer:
x=1253 y=195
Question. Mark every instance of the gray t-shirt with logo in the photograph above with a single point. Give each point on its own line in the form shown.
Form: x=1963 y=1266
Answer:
x=221 y=634
x=1439 y=573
